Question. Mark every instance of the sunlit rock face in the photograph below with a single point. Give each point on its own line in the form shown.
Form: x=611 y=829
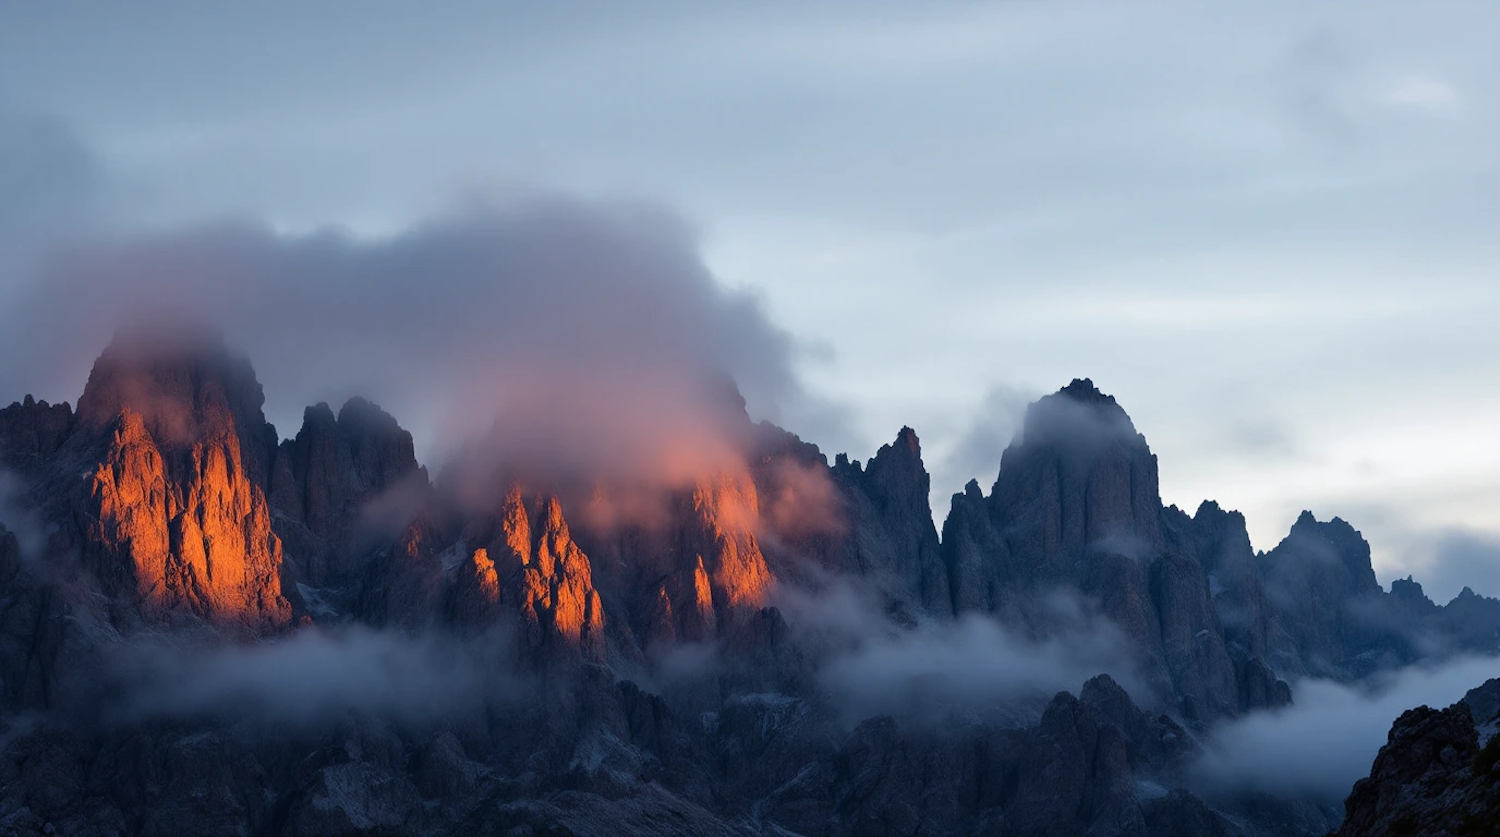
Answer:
x=174 y=507
x=684 y=563
x=525 y=563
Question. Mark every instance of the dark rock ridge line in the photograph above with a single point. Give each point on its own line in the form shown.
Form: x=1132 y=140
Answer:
x=164 y=506
x=1435 y=775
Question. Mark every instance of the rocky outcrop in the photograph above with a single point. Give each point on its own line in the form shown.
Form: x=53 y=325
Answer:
x=1221 y=543
x=891 y=532
x=1484 y=704
x=31 y=432
x=1076 y=507
x=355 y=471
x=173 y=512
x=1431 y=778
x=1322 y=585
x=530 y=566
x=865 y=521
x=1086 y=765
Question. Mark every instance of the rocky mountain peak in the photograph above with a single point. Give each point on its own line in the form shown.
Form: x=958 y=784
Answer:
x=1080 y=419
x=336 y=472
x=1431 y=777
x=896 y=474
x=178 y=519
x=1096 y=481
x=187 y=386
x=1338 y=546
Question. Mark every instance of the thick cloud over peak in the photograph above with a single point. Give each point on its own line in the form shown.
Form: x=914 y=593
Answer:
x=587 y=332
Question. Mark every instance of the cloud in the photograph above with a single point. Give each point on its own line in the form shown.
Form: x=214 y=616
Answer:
x=1420 y=92
x=977 y=451
x=311 y=676
x=801 y=500
x=1265 y=439
x=1329 y=736
x=19 y=519
x=49 y=181
x=973 y=665
x=568 y=335
x=1314 y=77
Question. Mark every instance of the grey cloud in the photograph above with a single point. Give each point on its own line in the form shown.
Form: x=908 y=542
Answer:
x=1329 y=736
x=49 y=182
x=311 y=676
x=975 y=665
x=584 y=333
x=17 y=516
x=1265 y=438
x=976 y=453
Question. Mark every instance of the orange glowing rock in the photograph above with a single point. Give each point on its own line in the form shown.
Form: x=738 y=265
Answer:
x=177 y=511
x=190 y=534
x=727 y=511
x=540 y=568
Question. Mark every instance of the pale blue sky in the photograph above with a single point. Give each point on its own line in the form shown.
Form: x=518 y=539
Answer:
x=1268 y=229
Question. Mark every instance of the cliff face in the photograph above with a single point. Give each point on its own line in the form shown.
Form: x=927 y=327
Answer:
x=1076 y=507
x=327 y=481
x=530 y=567
x=173 y=510
x=1431 y=777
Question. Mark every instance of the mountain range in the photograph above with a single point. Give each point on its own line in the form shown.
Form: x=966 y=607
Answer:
x=208 y=629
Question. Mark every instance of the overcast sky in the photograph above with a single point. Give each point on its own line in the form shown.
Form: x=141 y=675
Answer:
x=1269 y=229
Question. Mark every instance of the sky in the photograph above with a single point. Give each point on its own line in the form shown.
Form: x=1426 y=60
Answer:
x=1267 y=229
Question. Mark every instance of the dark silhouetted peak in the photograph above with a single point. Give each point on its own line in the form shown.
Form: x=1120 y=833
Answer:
x=1084 y=391
x=1334 y=542
x=1484 y=701
x=1077 y=476
x=320 y=416
x=1212 y=514
x=773 y=443
x=896 y=473
x=382 y=450
x=358 y=466
x=907 y=438
x=1409 y=592
x=1102 y=690
x=1080 y=419
x=973 y=491
x=1431 y=777
x=359 y=416
x=31 y=431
